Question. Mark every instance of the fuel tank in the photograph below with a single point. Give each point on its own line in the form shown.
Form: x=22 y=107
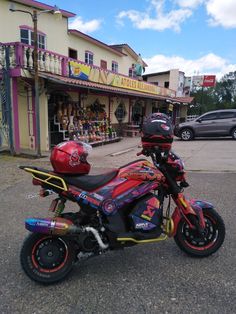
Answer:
x=141 y=170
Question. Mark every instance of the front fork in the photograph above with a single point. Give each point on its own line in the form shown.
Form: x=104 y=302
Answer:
x=187 y=208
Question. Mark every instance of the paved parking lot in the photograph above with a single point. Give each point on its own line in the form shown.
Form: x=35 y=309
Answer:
x=153 y=278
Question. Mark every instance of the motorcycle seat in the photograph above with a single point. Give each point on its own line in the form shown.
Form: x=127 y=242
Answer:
x=90 y=182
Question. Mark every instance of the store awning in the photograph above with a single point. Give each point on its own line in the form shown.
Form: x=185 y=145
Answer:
x=183 y=100
x=98 y=87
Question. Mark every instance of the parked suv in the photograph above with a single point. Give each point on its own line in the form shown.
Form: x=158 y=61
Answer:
x=212 y=123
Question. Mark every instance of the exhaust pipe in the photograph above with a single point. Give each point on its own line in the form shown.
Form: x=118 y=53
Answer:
x=60 y=226
x=57 y=226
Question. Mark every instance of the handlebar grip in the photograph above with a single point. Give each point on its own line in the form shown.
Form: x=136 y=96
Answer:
x=140 y=153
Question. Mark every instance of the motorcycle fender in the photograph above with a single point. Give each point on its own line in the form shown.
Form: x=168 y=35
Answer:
x=176 y=216
x=202 y=204
x=197 y=206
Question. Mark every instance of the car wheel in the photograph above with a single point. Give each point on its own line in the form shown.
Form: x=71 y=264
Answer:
x=233 y=133
x=186 y=134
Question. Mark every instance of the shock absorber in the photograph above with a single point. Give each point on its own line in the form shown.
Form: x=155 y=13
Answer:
x=60 y=207
x=57 y=206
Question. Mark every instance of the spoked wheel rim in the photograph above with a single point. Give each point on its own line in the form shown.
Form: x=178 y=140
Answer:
x=49 y=254
x=186 y=135
x=203 y=241
x=234 y=134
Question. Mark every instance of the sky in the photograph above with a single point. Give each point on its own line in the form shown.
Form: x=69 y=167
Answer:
x=195 y=36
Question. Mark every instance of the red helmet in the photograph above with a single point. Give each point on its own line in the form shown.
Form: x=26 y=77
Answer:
x=157 y=131
x=70 y=158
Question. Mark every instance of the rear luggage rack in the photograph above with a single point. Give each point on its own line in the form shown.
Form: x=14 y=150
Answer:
x=46 y=177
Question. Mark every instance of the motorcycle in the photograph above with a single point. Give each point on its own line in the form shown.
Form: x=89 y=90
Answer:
x=125 y=207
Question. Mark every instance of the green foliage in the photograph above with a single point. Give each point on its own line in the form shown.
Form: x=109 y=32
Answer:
x=222 y=96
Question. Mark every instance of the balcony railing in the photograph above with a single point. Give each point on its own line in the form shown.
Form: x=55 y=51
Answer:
x=21 y=57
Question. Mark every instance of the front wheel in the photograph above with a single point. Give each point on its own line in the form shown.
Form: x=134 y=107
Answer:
x=201 y=245
x=233 y=133
x=186 y=134
x=47 y=259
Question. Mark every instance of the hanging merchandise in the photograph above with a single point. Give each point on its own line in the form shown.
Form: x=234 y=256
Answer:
x=89 y=125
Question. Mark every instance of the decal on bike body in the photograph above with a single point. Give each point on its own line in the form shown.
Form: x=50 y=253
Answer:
x=142 y=224
x=152 y=206
x=86 y=198
x=109 y=207
x=142 y=172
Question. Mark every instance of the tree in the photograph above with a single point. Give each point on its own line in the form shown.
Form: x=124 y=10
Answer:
x=222 y=96
x=225 y=91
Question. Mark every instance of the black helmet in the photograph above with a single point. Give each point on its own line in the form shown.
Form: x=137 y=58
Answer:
x=157 y=131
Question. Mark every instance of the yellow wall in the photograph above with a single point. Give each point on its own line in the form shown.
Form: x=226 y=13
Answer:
x=25 y=124
x=57 y=38
x=43 y=101
x=55 y=30
x=99 y=53
x=183 y=111
x=23 y=117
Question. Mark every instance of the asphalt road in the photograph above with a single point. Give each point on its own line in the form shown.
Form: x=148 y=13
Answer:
x=151 y=278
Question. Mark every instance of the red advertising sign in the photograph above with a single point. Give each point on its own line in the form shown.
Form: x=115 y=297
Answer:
x=209 y=81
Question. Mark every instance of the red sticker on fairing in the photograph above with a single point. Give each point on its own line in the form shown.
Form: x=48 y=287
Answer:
x=165 y=127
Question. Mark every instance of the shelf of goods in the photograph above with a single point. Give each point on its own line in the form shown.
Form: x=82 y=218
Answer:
x=89 y=125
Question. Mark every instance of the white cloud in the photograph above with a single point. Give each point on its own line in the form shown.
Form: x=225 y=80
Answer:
x=189 y=3
x=208 y=64
x=222 y=12
x=85 y=27
x=155 y=18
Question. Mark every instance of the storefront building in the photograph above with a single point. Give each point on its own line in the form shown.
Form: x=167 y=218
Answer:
x=87 y=89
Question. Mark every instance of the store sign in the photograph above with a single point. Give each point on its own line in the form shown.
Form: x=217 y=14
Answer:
x=197 y=80
x=204 y=80
x=86 y=72
x=209 y=81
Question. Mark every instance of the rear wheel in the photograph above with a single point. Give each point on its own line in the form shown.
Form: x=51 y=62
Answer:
x=47 y=259
x=233 y=133
x=186 y=134
x=201 y=245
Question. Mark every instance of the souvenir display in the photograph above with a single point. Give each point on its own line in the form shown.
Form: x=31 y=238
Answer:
x=89 y=125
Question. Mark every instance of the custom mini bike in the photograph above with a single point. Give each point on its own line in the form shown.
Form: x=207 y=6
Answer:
x=125 y=207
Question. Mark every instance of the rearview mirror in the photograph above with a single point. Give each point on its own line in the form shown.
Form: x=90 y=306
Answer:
x=199 y=120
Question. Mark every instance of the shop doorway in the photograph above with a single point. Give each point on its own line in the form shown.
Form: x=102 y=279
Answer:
x=58 y=117
x=137 y=113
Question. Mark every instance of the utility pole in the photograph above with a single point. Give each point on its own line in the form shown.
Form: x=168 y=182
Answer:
x=7 y=82
x=36 y=83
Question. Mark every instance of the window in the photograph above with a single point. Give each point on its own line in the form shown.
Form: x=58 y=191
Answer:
x=73 y=54
x=41 y=41
x=103 y=64
x=120 y=112
x=210 y=116
x=227 y=115
x=27 y=37
x=132 y=72
x=88 y=57
x=114 y=66
x=166 y=84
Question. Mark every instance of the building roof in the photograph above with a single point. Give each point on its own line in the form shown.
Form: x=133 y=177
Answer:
x=95 y=41
x=155 y=74
x=42 y=6
x=159 y=73
x=129 y=50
